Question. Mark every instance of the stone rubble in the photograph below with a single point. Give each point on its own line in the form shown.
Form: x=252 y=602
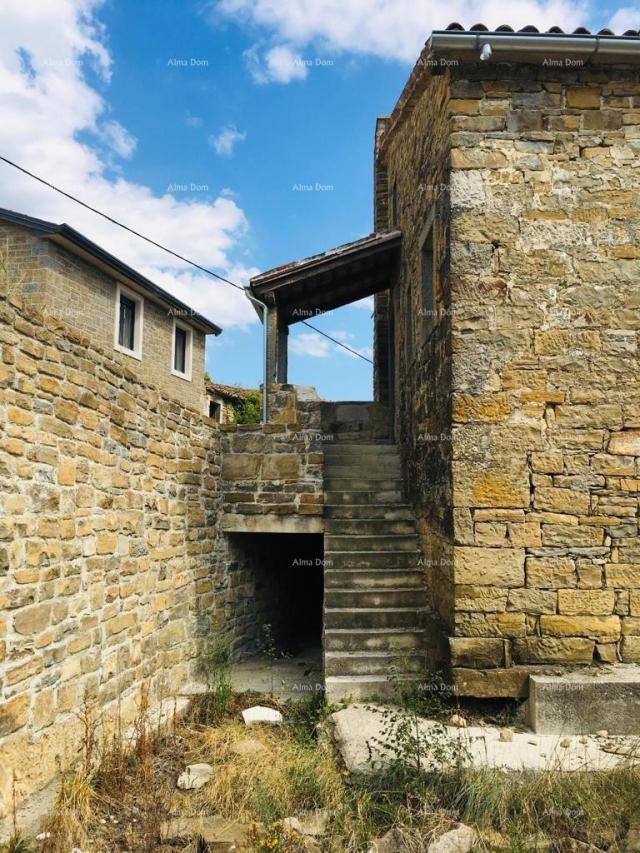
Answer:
x=261 y=714
x=194 y=777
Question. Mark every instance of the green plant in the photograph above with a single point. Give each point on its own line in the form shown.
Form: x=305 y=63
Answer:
x=275 y=838
x=17 y=844
x=213 y=665
x=207 y=376
x=247 y=411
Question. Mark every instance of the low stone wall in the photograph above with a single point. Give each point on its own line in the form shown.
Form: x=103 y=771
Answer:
x=271 y=475
x=109 y=498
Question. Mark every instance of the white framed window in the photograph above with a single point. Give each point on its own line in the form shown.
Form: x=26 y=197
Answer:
x=129 y=318
x=181 y=350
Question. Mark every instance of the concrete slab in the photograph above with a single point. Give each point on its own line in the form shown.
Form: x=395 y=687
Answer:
x=299 y=677
x=358 y=730
x=586 y=701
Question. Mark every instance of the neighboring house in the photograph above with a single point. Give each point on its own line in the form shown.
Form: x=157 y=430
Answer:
x=221 y=401
x=70 y=278
x=505 y=268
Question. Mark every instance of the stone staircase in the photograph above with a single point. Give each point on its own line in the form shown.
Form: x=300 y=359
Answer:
x=374 y=599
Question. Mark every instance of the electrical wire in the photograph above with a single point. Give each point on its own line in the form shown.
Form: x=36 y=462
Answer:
x=164 y=248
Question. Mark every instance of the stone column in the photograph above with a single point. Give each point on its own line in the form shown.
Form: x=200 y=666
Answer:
x=272 y=343
x=282 y=352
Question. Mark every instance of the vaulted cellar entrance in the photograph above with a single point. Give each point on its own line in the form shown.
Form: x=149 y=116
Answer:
x=275 y=602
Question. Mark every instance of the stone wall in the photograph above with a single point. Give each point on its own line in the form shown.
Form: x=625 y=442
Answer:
x=83 y=297
x=272 y=473
x=546 y=398
x=528 y=388
x=417 y=162
x=109 y=502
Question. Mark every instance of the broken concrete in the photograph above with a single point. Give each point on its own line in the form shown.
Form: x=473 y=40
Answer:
x=195 y=777
x=261 y=714
x=358 y=731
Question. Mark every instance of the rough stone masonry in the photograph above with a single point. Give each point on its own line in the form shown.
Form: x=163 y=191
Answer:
x=518 y=406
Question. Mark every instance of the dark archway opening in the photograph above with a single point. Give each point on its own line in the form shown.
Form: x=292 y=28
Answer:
x=276 y=593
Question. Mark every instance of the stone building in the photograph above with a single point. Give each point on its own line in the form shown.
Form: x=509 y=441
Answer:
x=504 y=263
x=70 y=278
x=480 y=515
x=223 y=401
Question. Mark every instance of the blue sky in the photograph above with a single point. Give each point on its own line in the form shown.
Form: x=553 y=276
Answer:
x=195 y=122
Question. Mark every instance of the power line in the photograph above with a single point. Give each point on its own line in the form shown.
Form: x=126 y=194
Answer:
x=164 y=248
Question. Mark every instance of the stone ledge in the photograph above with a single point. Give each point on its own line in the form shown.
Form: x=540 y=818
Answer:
x=586 y=701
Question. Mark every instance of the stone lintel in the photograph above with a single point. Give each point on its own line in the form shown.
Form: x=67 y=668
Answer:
x=270 y=523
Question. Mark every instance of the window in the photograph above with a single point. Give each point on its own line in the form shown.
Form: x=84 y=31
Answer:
x=128 y=322
x=181 y=351
x=215 y=411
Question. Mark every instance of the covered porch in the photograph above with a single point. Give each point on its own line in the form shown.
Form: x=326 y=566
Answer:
x=301 y=290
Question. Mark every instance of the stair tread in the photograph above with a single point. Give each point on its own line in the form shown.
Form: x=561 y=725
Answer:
x=418 y=609
x=363 y=653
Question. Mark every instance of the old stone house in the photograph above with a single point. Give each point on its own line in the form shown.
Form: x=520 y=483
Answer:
x=480 y=515
x=222 y=401
x=70 y=278
x=504 y=265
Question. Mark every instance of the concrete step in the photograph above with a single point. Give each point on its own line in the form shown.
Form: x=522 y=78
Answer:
x=369 y=483
x=339 y=688
x=383 y=467
x=359 y=450
x=368 y=526
x=372 y=663
x=386 y=597
x=375 y=496
x=354 y=542
x=385 y=511
x=371 y=560
x=397 y=640
x=372 y=580
x=373 y=617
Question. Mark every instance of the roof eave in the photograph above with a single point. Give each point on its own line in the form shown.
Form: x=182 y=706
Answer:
x=80 y=245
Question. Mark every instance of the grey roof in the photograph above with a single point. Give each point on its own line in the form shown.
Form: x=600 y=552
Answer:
x=77 y=243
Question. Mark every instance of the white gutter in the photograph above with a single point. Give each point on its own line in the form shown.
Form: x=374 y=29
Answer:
x=616 y=47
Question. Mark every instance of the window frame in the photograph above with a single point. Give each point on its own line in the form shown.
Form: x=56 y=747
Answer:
x=188 y=358
x=138 y=322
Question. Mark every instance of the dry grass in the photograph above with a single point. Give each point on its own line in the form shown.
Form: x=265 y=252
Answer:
x=67 y=826
x=263 y=774
x=266 y=774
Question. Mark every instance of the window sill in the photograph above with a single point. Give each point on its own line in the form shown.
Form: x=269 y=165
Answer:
x=185 y=376
x=129 y=352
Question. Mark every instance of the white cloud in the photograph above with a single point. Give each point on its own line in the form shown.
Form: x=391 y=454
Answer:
x=315 y=346
x=627 y=18
x=311 y=344
x=225 y=141
x=280 y=64
x=390 y=29
x=118 y=139
x=47 y=103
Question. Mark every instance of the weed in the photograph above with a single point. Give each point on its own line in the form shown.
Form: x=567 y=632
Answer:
x=275 y=838
x=17 y=844
x=66 y=826
x=213 y=665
